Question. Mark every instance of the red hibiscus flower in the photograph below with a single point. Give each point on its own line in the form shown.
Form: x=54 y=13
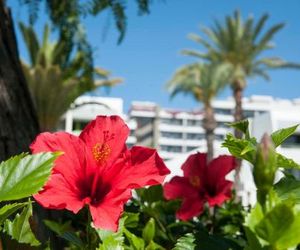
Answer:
x=200 y=183
x=97 y=170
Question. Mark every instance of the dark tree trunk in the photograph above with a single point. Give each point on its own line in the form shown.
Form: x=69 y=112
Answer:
x=209 y=124
x=18 y=120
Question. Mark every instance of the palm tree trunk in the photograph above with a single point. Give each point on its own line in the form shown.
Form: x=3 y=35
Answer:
x=238 y=88
x=238 y=111
x=209 y=124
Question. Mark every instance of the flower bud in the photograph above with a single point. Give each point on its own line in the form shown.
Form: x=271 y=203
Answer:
x=265 y=167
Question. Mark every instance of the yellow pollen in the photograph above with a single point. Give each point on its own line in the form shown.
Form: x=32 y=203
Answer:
x=195 y=181
x=101 y=152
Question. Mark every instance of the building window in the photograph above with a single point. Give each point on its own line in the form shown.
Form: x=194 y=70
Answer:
x=222 y=125
x=292 y=141
x=142 y=121
x=248 y=113
x=194 y=123
x=145 y=136
x=169 y=148
x=190 y=148
x=194 y=136
x=219 y=137
x=172 y=135
x=171 y=121
x=79 y=125
x=221 y=111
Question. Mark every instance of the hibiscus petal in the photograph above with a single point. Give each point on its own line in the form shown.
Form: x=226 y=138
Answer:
x=223 y=194
x=107 y=214
x=195 y=165
x=190 y=208
x=57 y=194
x=105 y=138
x=71 y=164
x=179 y=187
x=218 y=169
x=144 y=167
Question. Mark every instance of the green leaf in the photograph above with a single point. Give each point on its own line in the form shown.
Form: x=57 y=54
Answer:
x=19 y=229
x=242 y=125
x=9 y=209
x=22 y=176
x=290 y=238
x=283 y=162
x=241 y=148
x=64 y=231
x=149 y=231
x=254 y=217
x=154 y=246
x=280 y=227
x=185 y=242
x=136 y=242
x=288 y=188
x=112 y=240
x=252 y=240
x=275 y=223
x=281 y=135
x=151 y=194
x=132 y=219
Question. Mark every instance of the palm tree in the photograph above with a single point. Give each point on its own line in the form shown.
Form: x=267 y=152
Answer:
x=203 y=82
x=241 y=44
x=56 y=79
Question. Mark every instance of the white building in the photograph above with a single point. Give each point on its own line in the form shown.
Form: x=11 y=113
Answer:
x=175 y=132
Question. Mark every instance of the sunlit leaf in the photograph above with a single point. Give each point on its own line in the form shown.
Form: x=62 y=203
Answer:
x=22 y=176
x=281 y=135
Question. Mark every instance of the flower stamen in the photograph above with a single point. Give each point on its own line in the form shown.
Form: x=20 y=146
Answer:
x=101 y=152
x=195 y=181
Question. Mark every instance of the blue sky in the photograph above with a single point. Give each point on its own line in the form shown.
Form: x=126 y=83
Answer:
x=150 y=52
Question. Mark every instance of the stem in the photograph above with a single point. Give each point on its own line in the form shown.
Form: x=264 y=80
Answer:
x=212 y=213
x=88 y=229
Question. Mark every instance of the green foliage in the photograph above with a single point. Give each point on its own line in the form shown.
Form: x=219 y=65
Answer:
x=284 y=162
x=241 y=148
x=242 y=126
x=281 y=135
x=246 y=148
x=288 y=188
x=56 y=78
x=276 y=226
x=24 y=175
x=149 y=231
x=202 y=81
x=185 y=242
x=10 y=209
x=66 y=16
x=240 y=43
x=19 y=228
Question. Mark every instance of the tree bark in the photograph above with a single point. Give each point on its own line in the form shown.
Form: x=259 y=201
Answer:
x=209 y=125
x=238 y=111
x=238 y=88
x=18 y=120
